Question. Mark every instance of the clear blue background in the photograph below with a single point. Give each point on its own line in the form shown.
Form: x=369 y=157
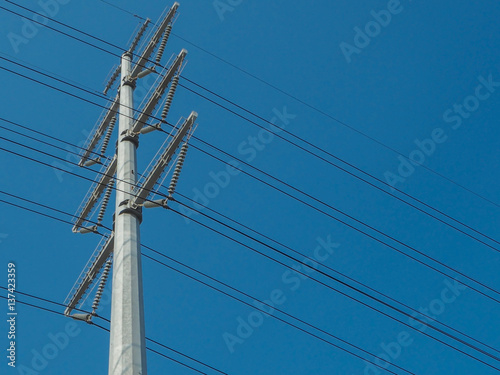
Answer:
x=396 y=90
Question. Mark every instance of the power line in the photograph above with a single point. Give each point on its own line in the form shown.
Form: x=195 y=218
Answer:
x=370 y=236
x=108 y=321
x=355 y=299
x=107 y=330
x=41 y=141
x=43 y=135
x=333 y=218
x=273 y=316
x=54 y=29
x=248 y=304
x=122 y=9
x=335 y=271
x=28 y=209
x=344 y=341
x=49 y=301
x=302 y=148
x=352 y=174
x=240 y=233
x=365 y=294
x=273 y=177
x=378 y=240
x=273 y=249
x=49 y=208
x=204 y=225
x=299 y=200
x=478 y=232
x=258 y=79
x=319 y=210
x=285 y=183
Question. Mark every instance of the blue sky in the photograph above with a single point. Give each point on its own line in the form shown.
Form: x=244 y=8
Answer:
x=429 y=73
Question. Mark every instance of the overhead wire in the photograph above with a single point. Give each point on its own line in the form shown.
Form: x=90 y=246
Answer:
x=46 y=135
x=274 y=187
x=316 y=109
x=291 y=324
x=245 y=72
x=300 y=147
x=353 y=298
x=107 y=330
x=329 y=277
x=335 y=271
x=123 y=10
x=246 y=303
x=312 y=207
x=356 y=176
x=267 y=174
x=51 y=301
x=280 y=181
x=370 y=236
x=278 y=261
x=42 y=141
x=293 y=250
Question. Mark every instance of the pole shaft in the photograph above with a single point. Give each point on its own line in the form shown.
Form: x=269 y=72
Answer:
x=127 y=354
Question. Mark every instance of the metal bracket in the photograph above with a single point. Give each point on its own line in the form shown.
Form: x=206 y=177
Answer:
x=131 y=209
x=130 y=136
x=130 y=81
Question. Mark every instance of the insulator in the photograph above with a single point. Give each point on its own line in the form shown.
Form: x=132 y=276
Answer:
x=155 y=203
x=82 y=317
x=91 y=162
x=177 y=170
x=150 y=128
x=170 y=97
x=102 y=284
x=163 y=43
x=105 y=201
x=112 y=79
x=138 y=37
x=107 y=137
x=145 y=72
x=91 y=229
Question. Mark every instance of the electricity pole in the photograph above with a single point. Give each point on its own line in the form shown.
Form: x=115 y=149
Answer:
x=127 y=350
x=121 y=248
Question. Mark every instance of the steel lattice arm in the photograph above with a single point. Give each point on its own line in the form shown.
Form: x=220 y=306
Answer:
x=89 y=274
x=112 y=111
x=160 y=90
x=141 y=63
x=163 y=161
x=91 y=199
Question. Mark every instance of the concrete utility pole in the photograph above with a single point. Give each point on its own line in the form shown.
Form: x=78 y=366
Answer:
x=127 y=349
